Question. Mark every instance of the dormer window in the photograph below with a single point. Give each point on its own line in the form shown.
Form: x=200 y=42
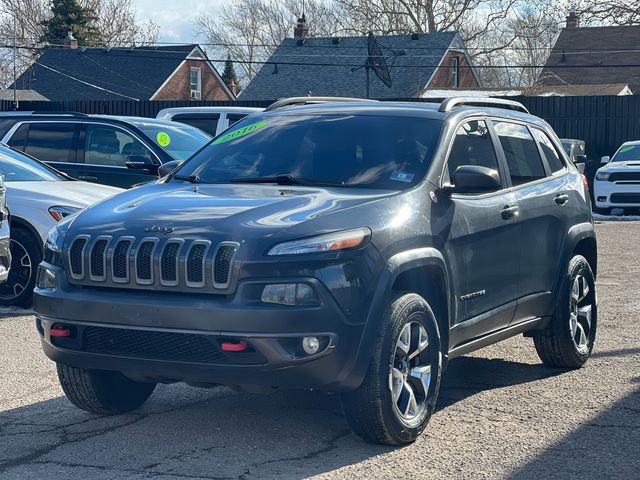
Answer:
x=195 y=81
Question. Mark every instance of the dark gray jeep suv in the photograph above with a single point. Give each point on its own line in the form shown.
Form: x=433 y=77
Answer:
x=352 y=247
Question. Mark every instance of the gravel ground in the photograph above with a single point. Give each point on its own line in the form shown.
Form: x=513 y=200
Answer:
x=501 y=414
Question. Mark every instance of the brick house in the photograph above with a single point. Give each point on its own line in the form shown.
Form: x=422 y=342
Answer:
x=172 y=72
x=329 y=66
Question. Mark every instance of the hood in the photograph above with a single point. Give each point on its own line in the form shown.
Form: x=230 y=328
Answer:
x=621 y=166
x=215 y=212
x=74 y=194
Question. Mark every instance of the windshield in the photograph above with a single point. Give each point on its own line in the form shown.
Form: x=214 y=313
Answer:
x=178 y=140
x=19 y=168
x=627 y=153
x=380 y=152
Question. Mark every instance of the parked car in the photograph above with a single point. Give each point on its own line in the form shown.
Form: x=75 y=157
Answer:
x=351 y=247
x=5 y=247
x=576 y=150
x=617 y=183
x=37 y=197
x=117 y=151
x=213 y=120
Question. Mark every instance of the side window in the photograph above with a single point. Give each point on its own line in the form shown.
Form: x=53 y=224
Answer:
x=521 y=153
x=110 y=146
x=553 y=158
x=51 y=142
x=235 y=117
x=19 y=137
x=472 y=146
x=207 y=123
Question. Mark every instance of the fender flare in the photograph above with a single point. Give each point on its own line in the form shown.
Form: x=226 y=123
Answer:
x=396 y=265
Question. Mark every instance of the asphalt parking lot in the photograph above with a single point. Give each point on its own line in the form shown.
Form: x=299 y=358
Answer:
x=501 y=413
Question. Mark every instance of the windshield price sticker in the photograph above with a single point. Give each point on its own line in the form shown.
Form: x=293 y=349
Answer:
x=241 y=132
x=402 y=176
x=163 y=139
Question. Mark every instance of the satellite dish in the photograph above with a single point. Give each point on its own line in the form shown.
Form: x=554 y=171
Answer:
x=377 y=62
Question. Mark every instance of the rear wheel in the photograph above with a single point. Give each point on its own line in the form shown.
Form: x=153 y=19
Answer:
x=398 y=395
x=568 y=339
x=26 y=254
x=101 y=391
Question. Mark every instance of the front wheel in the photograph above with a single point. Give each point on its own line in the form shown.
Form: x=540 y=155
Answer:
x=102 y=392
x=568 y=339
x=26 y=254
x=398 y=395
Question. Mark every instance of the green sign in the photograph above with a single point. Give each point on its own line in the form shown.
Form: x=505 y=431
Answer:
x=627 y=149
x=163 y=139
x=241 y=132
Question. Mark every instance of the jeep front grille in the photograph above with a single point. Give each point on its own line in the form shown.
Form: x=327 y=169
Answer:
x=171 y=264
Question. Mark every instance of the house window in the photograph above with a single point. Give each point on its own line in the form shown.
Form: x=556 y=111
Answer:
x=195 y=81
x=455 y=72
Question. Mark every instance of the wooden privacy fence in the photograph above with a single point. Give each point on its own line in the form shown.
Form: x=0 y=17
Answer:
x=602 y=122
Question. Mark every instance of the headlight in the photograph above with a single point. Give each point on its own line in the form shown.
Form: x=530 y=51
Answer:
x=329 y=242
x=54 y=240
x=60 y=211
x=603 y=176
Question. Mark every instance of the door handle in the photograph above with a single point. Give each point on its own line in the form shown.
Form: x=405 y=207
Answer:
x=89 y=178
x=509 y=211
x=562 y=199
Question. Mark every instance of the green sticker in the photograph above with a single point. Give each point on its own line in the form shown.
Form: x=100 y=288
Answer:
x=239 y=133
x=163 y=139
x=627 y=149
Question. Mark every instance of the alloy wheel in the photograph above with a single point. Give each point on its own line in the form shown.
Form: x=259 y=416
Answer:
x=580 y=313
x=20 y=274
x=410 y=375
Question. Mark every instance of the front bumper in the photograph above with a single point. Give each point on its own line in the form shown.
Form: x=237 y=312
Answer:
x=616 y=195
x=189 y=323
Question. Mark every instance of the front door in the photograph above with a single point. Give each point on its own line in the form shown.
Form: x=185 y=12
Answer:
x=484 y=241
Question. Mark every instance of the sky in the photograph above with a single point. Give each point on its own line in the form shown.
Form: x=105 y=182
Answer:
x=175 y=17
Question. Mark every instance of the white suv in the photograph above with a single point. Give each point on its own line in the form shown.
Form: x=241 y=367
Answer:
x=212 y=120
x=617 y=183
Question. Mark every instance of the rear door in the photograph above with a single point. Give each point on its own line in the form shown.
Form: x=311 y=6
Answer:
x=52 y=142
x=545 y=202
x=483 y=243
x=104 y=153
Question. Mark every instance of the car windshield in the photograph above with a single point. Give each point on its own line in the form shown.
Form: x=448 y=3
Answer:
x=17 y=167
x=178 y=140
x=627 y=153
x=369 y=151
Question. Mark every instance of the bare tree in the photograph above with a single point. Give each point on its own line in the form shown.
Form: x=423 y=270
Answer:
x=608 y=12
x=250 y=30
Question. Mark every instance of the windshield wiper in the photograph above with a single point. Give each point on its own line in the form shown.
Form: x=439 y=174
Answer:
x=189 y=178
x=285 y=180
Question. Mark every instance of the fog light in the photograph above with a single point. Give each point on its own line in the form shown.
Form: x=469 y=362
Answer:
x=602 y=199
x=46 y=278
x=310 y=345
x=291 y=294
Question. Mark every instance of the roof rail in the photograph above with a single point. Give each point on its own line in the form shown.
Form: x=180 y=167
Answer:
x=293 y=101
x=31 y=112
x=450 y=103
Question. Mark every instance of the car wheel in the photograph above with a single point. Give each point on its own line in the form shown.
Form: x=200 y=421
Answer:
x=568 y=339
x=395 y=401
x=26 y=254
x=102 y=392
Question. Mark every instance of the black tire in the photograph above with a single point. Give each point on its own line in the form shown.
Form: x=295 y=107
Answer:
x=26 y=251
x=370 y=409
x=557 y=345
x=102 y=392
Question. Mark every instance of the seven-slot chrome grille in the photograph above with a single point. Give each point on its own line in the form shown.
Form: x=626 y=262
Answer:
x=164 y=264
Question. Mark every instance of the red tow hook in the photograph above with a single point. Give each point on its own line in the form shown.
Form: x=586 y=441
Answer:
x=239 y=346
x=59 y=330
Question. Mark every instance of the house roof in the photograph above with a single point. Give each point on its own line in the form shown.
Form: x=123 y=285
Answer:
x=594 y=56
x=21 y=95
x=324 y=66
x=103 y=74
x=578 y=90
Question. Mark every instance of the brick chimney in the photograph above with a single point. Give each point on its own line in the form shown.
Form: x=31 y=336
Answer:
x=233 y=87
x=70 y=41
x=573 y=21
x=301 y=30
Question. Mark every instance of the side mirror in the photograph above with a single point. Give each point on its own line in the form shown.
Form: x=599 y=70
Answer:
x=475 y=179
x=580 y=159
x=605 y=159
x=166 y=168
x=140 y=162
